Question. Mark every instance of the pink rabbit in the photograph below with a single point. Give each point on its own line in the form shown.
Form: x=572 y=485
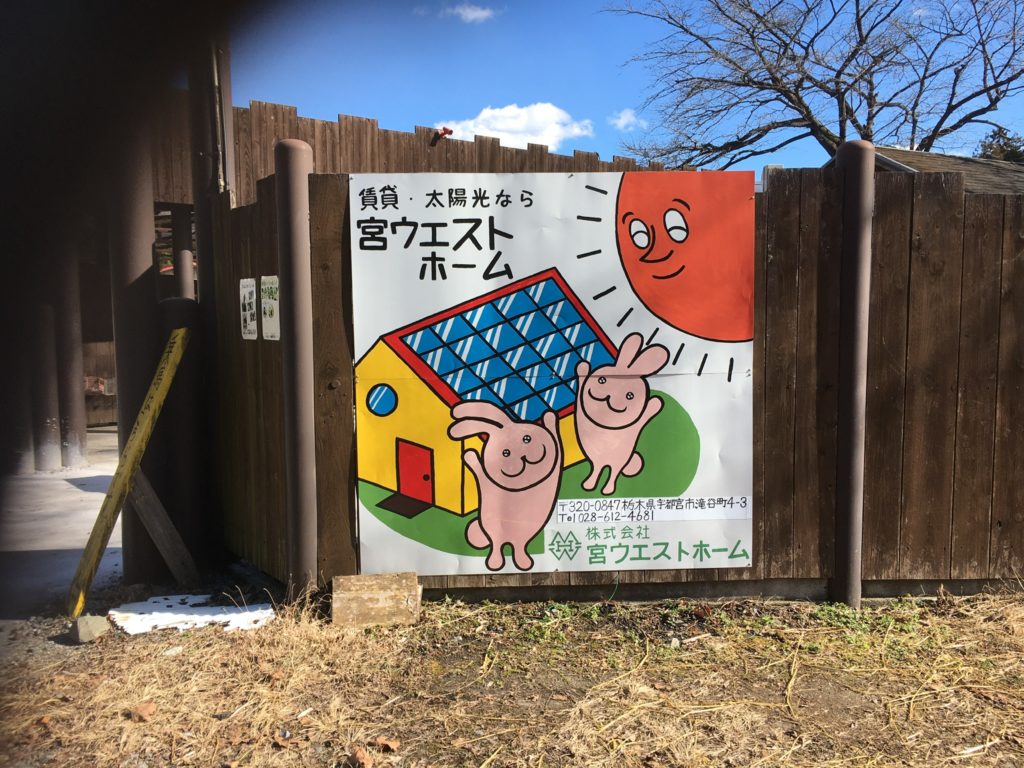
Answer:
x=613 y=405
x=518 y=478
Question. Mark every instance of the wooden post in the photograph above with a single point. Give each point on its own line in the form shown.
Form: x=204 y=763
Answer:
x=136 y=325
x=293 y=161
x=181 y=433
x=70 y=366
x=856 y=164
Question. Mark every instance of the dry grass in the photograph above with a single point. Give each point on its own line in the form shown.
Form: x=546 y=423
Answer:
x=749 y=683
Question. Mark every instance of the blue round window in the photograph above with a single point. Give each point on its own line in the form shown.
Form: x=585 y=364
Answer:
x=382 y=399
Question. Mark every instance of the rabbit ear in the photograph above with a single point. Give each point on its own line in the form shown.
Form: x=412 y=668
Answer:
x=650 y=361
x=480 y=409
x=469 y=427
x=627 y=351
x=474 y=418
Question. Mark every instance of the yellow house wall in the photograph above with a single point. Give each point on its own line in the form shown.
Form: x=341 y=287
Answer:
x=422 y=417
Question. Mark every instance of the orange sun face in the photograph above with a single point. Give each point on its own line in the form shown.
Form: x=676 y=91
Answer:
x=686 y=240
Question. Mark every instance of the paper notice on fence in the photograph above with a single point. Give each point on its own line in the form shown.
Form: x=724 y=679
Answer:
x=270 y=293
x=247 y=300
x=553 y=370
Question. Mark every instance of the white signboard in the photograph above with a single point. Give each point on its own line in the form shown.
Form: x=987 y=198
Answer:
x=247 y=302
x=270 y=302
x=553 y=370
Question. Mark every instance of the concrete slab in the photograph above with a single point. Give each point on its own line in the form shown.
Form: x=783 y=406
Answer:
x=45 y=521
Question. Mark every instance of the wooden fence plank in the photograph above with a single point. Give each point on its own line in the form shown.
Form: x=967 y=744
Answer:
x=807 y=494
x=268 y=124
x=245 y=188
x=333 y=376
x=271 y=363
x=887 y=361
x=830 y=244
x=781 y=282
x=1006 y=559
x=976 y=387
x=358 y=140
x=932 y=336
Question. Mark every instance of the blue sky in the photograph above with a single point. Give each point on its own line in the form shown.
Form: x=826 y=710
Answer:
x=555 y=72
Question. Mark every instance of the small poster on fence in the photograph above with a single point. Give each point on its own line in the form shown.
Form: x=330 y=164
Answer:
x=270 y=294
x=553 y=370
x=247 y=299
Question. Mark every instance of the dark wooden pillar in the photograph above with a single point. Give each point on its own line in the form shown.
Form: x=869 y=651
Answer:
x=136 y=321
x=70 y=367
x=45 y=401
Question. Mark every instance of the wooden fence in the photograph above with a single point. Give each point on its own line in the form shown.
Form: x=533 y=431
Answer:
x=944 y=452
x=349 y=145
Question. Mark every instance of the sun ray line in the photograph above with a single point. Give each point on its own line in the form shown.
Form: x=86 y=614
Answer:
x=597 y=189
x=588 y=253
x=679 y=351
x=603 y=293
x=703 y=360
x=589 y=218
x=651 y=340
x=729 y=377
x=623 y=318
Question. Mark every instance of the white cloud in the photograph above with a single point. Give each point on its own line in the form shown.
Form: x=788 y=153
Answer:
x=626 y=120
x=469 y=13
x=516 y=126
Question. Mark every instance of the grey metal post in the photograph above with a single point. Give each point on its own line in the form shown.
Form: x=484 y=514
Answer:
x=133 y=294
x=181 y=246
x=855 y=162
x=70 y=365
x=45 y=401
x=293 y=162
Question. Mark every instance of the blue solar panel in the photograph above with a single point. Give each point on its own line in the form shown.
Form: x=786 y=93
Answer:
x=518 y=351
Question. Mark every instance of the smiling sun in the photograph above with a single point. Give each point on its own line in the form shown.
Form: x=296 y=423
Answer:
x=686 y=240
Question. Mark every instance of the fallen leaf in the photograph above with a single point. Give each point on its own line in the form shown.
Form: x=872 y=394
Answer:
x=386 y=745
x=358 y=758
x=144 y=712
x=44 y=720
x=559 y=697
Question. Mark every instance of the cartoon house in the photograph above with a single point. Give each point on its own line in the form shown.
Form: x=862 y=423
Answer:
x=517 y=347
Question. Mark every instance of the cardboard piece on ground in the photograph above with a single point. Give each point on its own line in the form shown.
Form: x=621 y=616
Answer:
x=374 y=599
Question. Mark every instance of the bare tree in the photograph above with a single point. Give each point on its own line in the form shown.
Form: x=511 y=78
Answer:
x=741 y=78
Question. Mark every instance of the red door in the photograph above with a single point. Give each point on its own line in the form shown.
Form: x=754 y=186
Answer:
x=415 y=471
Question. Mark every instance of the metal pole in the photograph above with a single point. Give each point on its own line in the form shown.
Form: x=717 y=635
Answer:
x=293 y=162
x=855 y=162
x=133 y=293
x=45 y=400
x=181 y=245
x=70 y=365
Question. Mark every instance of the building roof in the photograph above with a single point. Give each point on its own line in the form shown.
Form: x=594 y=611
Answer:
x=980 y=175
x=517 y=347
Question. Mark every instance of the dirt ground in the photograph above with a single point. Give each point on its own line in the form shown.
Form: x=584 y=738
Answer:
x=674 y=683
